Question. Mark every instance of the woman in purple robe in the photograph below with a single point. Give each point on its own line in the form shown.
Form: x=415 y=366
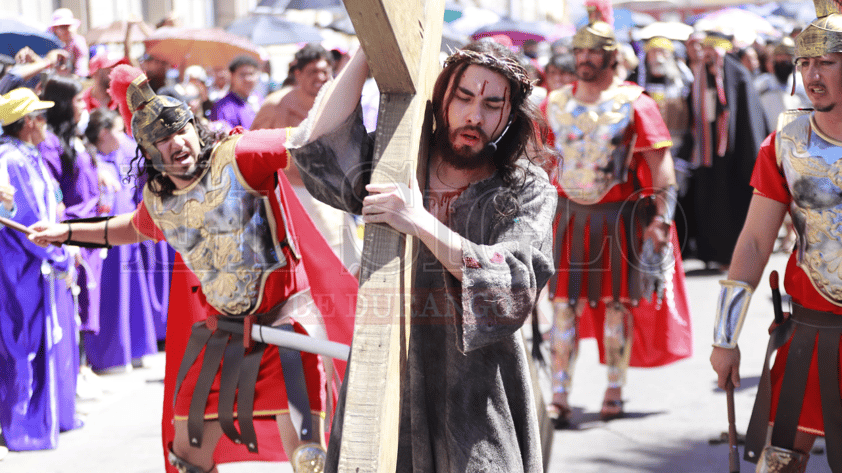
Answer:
x=74 y=169
x=134 y=296
x=37 y=339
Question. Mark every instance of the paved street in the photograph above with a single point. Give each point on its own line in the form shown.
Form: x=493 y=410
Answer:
x=673 y=411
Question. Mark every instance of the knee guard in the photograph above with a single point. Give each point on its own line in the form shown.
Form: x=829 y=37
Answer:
x=182 y=465
x=308 y=458
x=565 y=345
x=780 y=460
x=617 y=342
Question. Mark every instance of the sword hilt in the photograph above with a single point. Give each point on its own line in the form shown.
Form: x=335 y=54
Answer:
x=776 y=298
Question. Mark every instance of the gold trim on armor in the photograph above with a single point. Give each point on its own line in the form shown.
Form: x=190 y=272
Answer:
x=784 y=119
x=586 y=183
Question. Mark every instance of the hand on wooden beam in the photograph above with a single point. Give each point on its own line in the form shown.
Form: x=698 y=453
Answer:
x=401 y=207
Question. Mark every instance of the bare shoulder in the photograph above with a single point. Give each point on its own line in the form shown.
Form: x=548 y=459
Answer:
x=277 y=96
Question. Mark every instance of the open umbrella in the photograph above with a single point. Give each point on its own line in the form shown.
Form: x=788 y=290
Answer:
x=518 y=30
x=15 y=35
x=735 y=20
x=115 y=32
x=265 y=30
x=281 y=5
x=674 y=30
x=208 y=47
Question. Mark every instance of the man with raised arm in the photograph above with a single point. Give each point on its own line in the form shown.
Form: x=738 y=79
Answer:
x=483 y=217
x=797 y=171
x=229 y=213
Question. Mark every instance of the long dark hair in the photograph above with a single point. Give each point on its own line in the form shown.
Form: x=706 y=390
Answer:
x=525 y=136
x=62 y=90
x=161 y=185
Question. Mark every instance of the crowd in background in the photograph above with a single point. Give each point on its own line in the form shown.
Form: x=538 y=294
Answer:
x=94 y=310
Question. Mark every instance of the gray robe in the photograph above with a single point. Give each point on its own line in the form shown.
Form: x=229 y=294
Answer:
x=467 y=404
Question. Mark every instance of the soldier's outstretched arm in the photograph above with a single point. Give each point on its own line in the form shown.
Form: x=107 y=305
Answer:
x=751 y=254
x=118 y=230
x=342 y=96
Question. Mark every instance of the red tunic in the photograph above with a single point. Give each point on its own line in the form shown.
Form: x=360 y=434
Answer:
x=259 y=155
x=661 y=335
x=768 y=180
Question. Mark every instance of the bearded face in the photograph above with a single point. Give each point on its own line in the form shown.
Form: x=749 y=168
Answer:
x=591 y=63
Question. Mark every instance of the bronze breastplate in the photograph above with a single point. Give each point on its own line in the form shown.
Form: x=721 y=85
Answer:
x=224 y=230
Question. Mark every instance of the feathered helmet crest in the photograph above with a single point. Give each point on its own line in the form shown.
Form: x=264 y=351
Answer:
x=149 y=117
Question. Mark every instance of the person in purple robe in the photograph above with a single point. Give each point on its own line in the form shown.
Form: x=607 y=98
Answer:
x=134 y=297
x=74 y=169
x=38 y=349
x=239 y=106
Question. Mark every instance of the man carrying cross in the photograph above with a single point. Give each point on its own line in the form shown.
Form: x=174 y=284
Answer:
x=230 y=214
x=484 y=215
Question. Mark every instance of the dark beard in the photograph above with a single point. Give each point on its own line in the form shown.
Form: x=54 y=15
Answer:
x=826 y=108
x=461 y=158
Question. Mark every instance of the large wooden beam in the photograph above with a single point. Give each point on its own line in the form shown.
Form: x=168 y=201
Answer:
x=401 y=40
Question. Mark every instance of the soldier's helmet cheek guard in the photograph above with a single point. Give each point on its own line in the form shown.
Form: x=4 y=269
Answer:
x=155 y=118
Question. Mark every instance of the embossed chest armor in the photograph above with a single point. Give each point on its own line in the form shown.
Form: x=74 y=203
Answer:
x=595 y=141
x=812 y=166
x=224 y=230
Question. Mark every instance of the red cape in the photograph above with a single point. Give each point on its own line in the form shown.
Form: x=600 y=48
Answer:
x=334 y=290
x=661 y=336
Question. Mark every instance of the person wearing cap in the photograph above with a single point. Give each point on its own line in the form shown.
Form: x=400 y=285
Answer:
x=796 y=172
x=668 y=81
x=64 y=25
x=615 y=158
x=38 y=349
x=96 y=95
x=228 y=213
x=728 y=127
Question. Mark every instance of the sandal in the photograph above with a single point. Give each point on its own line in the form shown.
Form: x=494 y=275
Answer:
x=560 y=415
x=611 y=409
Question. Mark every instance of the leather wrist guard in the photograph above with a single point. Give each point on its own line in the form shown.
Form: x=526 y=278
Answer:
x=87 y=244
x=731 y=310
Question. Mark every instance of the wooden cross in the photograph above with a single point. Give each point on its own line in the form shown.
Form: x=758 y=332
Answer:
x=402 y=40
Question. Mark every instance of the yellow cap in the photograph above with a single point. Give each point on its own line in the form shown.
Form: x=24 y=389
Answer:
x=715 y=41
x=20 y=103
x=659 y=42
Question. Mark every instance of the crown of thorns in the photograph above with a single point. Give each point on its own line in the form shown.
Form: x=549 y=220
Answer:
x=507 y=66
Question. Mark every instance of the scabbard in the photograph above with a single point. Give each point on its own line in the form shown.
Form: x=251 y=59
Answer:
x=759 y=423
